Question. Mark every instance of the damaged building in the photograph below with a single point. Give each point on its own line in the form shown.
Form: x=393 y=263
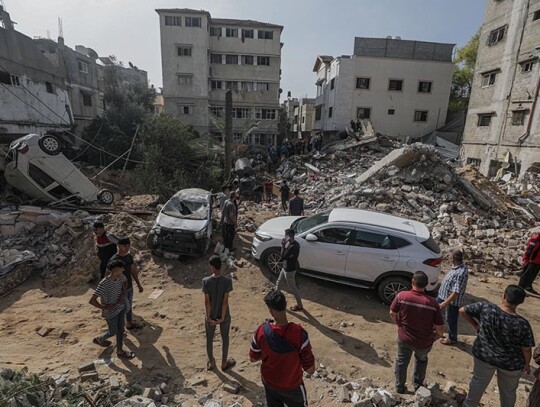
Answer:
x=502 y=130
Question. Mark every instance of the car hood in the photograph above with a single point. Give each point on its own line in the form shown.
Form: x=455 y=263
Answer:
x=188 y=225
x=276 y=227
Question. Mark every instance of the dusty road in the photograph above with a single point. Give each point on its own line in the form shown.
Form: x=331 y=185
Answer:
x=172 y=340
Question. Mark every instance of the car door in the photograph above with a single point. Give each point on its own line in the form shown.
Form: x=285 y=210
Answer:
x=328 y=254
x=371 y=254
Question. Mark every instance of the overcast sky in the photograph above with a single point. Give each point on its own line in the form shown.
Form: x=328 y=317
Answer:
x=129 y=29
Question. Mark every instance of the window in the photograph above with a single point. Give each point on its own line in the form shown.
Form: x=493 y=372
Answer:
x=395 y=85
x=248 y=34
x=215 y=32
x=363 y=83
x=332 y=83
x=218 y=136
x=184 y=51
x=373 y=240
x=193 y=21
x=237 y=137
x=231 y=32
x=336 y=235
x=186 y=109
x=232 y=85
x=173 y=21
x=215 y=58
x=263 y=61
x=391 y=112
x=185 y=79
x=527 y=66
x=217 y=111
x=217 y=85
x=263 y=86
x=518 y=117
x=496 y=36
x=536 y=15
x=318 y=113
x=83 y=67
x=41 y=177
x=248 y=60
x=265 y=35
x=330 y=111
x=248 y=86
x=475 y=162
x=87 y=99
x=269 y=114
x=49 y=87
x=420 y=115
x=488 y=79
x=5 y=78
x=363 y=113
x=240 y=113
x=484 y=120
x=424 y=87
x=231 y=59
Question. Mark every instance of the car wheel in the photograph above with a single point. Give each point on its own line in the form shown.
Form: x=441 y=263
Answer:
x=105 y=197
x=272 y=260
x=50 y=145
x=389 y=287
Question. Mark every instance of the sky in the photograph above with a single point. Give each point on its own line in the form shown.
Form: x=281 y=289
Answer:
x=129 y=29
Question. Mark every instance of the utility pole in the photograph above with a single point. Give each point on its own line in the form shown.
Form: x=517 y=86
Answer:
x=228 y=134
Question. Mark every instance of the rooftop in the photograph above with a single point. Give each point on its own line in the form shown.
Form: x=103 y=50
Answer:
x=403 y=49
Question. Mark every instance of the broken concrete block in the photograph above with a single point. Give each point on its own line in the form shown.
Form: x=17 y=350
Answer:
x=344 y=395
x=233 y=388
x=114 y=382
x=148 y=393
x=87 y=366
x=89 y=376
x=423 y=397
x=136 y=401
x=44 y=331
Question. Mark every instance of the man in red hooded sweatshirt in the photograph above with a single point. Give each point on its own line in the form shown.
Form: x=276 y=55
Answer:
x=531 y=263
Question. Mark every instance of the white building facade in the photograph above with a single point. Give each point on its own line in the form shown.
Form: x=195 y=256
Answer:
x=402 y=86
x=203 y=57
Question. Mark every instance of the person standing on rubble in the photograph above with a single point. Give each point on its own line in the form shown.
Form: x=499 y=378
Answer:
x=296 y=205
x=285 y=350
x=216 y=289
x=131 y=273
x=452 y=293
x=531 y=263
x=503 y=343
x=112 y=292
x=420 y=322
x=285 y=191
x=230 y=221
x=268 y=190
x=290 y=250
x=106 y=248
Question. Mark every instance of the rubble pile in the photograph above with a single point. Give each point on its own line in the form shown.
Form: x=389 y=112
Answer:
x=461 y=207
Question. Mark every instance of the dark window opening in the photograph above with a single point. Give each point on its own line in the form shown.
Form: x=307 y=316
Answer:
x=424 y=87
x=518 y=117
x=330 y=111
x=496 y=36
x=391 y=111
x=332 y=83
x=248 y=34
x=318 y=113
x=41 y=177
x=193 y=21
x=87 y=99
x=484 y=120
x=363 y=113
x=536 y=15
x=395 y=85
x=49 y=87
x=362 y=83
x=420 y=116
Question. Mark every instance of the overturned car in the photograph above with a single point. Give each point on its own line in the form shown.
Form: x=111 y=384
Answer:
x=184 y=225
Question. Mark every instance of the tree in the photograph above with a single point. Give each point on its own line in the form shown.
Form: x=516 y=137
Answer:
x=465 y=61
x=284 y=126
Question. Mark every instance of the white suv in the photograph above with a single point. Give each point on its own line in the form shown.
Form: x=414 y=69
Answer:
x=356 y=247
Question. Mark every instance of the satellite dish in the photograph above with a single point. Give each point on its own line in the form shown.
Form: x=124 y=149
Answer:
x=130 y=65
x=92 y=54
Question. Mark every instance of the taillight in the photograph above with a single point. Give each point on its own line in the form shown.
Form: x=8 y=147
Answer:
x=23 y=148
x=433 y=262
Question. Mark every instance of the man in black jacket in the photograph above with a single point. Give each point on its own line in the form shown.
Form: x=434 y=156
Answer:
x=106 y=247
x=290 y=250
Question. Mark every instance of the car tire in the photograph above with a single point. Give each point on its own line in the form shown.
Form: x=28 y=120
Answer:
x=105 y=197
x=50 y=145
x=390 y=286
x=271 y=261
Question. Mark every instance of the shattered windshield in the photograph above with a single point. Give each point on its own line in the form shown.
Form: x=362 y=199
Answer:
x=304 y=224
x=184 y=209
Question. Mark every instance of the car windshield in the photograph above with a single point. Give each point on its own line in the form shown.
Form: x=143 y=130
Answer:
x=184 y=209
x=304 y=224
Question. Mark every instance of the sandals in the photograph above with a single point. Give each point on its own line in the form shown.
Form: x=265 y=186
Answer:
x=229 y=365
x=296 y=308
x=447 y=341
x=126 y=355
x=104 y=344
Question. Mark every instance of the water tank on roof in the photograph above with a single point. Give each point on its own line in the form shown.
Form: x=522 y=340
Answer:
x=388 y=37
x=397 y=38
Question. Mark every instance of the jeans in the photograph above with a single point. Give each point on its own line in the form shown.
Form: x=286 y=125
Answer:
x=116 y=327
x=228 y=235
x=129 y=298
x=452 y=316
x=224 y=329
x=279 y=398
x=530 y=271
x=507 y=380
x=284 y=203
x=290 y=277
x=402 y=363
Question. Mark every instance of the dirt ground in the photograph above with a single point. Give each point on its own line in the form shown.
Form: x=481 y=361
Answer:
x=172 y=340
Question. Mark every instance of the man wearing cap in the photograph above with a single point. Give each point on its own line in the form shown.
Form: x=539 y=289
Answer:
x=290 y=250
x=131 y=273
x=106 y=248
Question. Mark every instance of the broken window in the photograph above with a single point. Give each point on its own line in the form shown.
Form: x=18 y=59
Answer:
x=83 y=66
x=215 y=58
x=231 y=59
x=318 y=112
x=424 y=87
x=5 y=78
x=87 y=99
x=41 y=177
x=496 y=36
x=248 y=60
x=217 y=85
x=395 y=85
x=488 y=79
x=193 y=21
x=231 y=32
x=49 y=87
x=184 y=51
x=518 y=117
x=330 y=111
x=263 y=61
x=215 y=32
x=420 y=115
x=362 y=83
x=173 y=21
x=248 y=34
x=265 y=35
x=363 y=113
x=527 y=66
x=484 y=120
x=185 y=79
x=332 y=83
x=536 y=15
x=475 y=162
x=391 y=112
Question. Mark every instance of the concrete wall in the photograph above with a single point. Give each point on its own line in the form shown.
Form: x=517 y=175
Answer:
x=513 y=90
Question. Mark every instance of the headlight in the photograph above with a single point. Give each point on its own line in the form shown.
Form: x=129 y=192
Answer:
x=156 y=230
x=262 y=237
x=200 y=233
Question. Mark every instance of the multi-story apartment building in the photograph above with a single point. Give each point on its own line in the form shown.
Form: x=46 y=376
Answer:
x=304 y=117
x=402 y=86
x=503 y=127
x=203 y=57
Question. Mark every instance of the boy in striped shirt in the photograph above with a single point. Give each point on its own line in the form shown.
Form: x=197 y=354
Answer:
x=112 y=292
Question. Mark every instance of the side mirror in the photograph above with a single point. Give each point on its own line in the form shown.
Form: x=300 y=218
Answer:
x=311 y=237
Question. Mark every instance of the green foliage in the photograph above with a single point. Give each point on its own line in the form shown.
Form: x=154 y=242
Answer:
x=174 y=158
x=284 y=126
x=465 y=61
